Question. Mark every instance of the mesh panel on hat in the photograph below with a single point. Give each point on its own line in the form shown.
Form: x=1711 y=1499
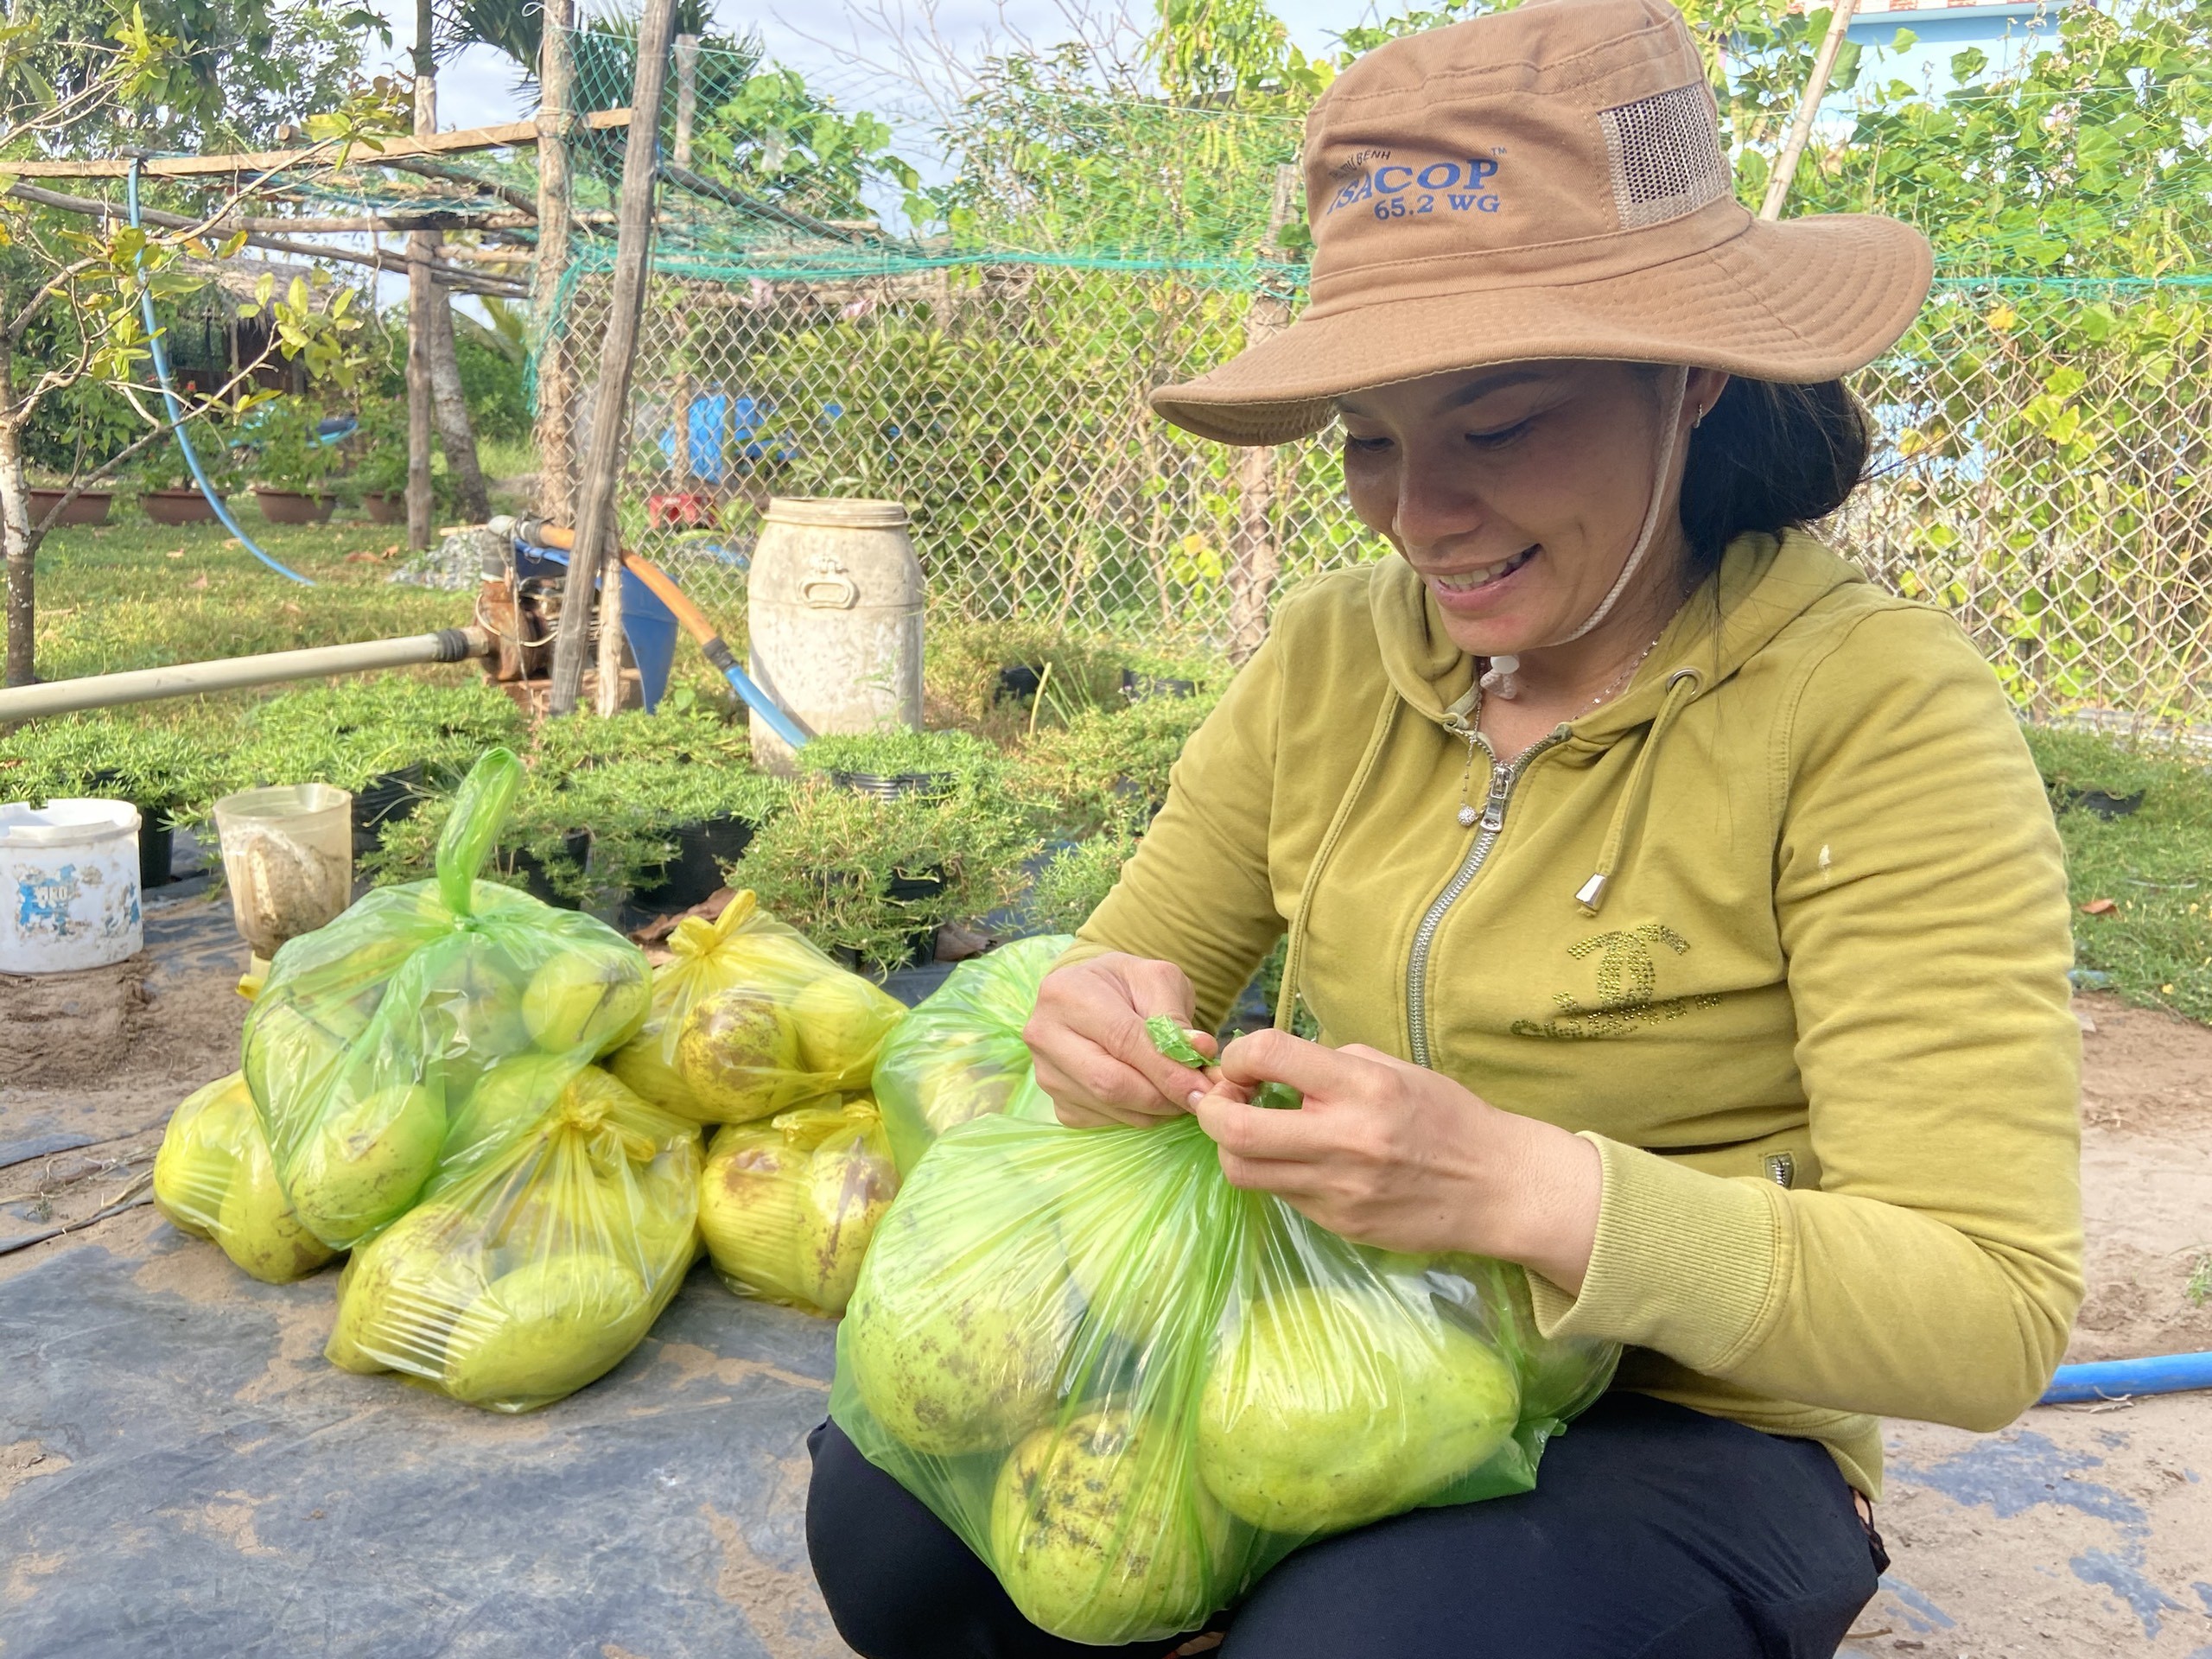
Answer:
x=1666 y=157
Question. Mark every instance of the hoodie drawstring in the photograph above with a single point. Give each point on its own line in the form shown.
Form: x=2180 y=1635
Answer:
x=1681 y=686
x=1293 y=958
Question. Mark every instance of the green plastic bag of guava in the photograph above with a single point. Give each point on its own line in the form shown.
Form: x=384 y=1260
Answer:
x=959 y=1055
x=371 y=1037
x=1132 y=1389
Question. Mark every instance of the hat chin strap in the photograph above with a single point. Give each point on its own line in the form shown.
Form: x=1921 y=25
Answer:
x=1501 y=676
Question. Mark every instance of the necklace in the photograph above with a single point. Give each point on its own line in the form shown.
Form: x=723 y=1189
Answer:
x=1466 y=814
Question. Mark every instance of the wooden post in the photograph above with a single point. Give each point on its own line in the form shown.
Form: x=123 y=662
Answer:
x=687 y=95
x=1808 y=106
x=555 y=428
x=610 y=401
x=612 y=642
x=1254 y=557
x=421 y=294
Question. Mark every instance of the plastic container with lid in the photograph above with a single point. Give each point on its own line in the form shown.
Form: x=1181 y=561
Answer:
x=68 y=886
x=288 y=858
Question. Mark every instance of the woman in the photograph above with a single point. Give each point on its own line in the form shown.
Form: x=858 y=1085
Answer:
x=1682 y=915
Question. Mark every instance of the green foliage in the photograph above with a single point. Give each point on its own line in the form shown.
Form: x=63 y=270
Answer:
x=352 y=731
x=287 y=454
x=1106 y=771
x=964 y=762
x=491 y=383
x=174 y=772
x=831 y=864
x=2154 y=865
x=380 y=444
x=1075 y=881
x=774 y=136
x=162 y=465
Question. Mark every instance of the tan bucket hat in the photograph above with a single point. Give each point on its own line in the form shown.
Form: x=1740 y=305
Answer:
x=1547 y=182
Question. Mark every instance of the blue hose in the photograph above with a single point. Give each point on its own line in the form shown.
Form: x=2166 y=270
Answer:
x=176 y=407
x=2109 y=1379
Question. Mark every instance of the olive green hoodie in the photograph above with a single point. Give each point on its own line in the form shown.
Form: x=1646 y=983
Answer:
x=1782 y=930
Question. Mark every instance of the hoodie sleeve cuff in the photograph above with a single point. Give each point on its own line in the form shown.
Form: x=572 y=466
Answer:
x=1686 y=1263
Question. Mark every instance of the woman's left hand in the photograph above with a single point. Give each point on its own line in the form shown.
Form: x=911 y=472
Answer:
x=1391 y=1154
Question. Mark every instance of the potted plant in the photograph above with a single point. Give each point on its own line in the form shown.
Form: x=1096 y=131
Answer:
x=85 y=507
x=379 y=475
x=167 y=489
x=169 y=775
x=389 y=741
x=892 y=765
x=873 y=880
x=292 y=465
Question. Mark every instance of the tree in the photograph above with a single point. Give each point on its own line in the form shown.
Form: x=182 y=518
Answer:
x=71 y=323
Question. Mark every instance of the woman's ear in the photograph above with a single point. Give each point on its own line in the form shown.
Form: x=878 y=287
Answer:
x=1701 y=391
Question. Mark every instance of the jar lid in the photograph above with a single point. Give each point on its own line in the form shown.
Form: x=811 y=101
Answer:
x=836 y=513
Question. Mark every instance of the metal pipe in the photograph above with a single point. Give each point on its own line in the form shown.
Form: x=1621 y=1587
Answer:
x=232 y=673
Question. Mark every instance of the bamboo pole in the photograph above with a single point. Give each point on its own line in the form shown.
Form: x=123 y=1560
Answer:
x=610 y=403
x=1808 y=106
x=556 y=429
x=687 y=95
x=507 y=136
x=421 y=294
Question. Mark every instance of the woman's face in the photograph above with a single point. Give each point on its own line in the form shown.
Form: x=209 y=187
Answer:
x=1518 y=491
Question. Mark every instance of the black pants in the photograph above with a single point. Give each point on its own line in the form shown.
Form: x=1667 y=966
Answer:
x=1655 y=1532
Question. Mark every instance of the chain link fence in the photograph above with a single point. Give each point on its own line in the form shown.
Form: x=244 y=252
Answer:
x=2040 y=468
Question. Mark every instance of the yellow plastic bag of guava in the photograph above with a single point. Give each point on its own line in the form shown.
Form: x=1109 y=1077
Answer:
x=788 y=1206
x=748 y=1019
x=370 y=1035
x=521 y=1279
x=213 y=1177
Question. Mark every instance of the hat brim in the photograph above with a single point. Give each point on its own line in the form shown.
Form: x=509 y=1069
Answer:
x=1798 y=302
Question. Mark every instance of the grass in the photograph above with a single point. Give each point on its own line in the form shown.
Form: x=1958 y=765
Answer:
x=2155 y=865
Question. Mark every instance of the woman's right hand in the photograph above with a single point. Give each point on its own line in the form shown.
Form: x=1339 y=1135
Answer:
x=1093 y=1056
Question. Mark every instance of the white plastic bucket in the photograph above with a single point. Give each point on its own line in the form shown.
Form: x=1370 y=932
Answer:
x=68 y=886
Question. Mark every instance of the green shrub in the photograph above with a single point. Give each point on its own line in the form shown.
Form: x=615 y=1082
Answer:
x=1107 y=769
x=287 y=454
x=829 y=863
x=351 y=732
x=158 y=768
x=1075 y=881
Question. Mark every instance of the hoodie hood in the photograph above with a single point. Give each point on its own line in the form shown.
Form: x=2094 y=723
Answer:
x=1764 y=584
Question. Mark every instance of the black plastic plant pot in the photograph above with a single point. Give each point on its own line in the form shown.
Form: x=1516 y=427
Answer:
x=2103 y=804
x=156 y=833
x=906 y=888
x=1018 y=683
x=385 y=798
x=892 y=786
x=695 y=874
x=1142 y=687
x=530 y=870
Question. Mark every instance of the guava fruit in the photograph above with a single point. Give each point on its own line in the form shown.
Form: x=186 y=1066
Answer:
x=749 y=1207
x=1100 y=1532
x=258 y=1229
x=737 y=1053
x=289 y=1058
x=363 y=1164
x=469 y=995
x=844 y=1189
x=957 y=1324
x=404 y=1291
x=508 y=1101
x=843 y=1020
x=955 y=1089
x=199 y=1154
x=1557 y=1376
x=545 y=1330
x=1330 y=1406
x=592 y=1001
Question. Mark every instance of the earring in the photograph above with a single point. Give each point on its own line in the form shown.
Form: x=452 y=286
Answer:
x=1697 y=420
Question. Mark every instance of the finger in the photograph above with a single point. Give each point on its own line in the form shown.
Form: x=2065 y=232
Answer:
x=1254 y=1133
x=1071 y=1068
x=1278 y=1056
x=1126 y=1038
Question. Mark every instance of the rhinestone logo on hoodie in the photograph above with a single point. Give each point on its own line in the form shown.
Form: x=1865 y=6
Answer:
x=1627 y=975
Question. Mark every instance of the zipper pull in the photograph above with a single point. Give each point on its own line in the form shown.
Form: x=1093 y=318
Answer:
x=1494 y=813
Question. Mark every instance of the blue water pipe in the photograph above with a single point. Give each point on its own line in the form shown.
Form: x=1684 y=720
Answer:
x=175 y=406
x=2111 y=1379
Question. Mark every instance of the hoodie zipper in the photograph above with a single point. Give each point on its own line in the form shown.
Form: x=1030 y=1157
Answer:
x=1502 y=780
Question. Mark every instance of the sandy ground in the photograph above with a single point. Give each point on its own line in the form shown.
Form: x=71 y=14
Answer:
x=2083 y=1532
x=2079 y=1533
